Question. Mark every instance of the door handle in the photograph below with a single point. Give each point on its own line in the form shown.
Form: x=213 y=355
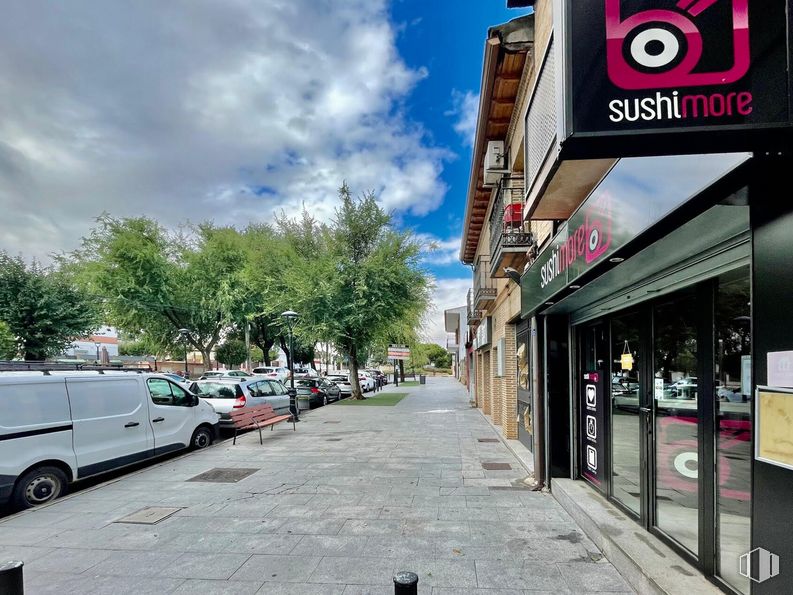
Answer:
x=645 y=409
x=131 y=424
x=158 y=419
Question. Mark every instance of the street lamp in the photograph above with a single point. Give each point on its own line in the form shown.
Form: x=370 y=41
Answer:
x=185 y=334
x=98 y=345
x=290 y=318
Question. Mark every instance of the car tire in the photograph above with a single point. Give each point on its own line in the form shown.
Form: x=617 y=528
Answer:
x=39 y=486
x=202 y=438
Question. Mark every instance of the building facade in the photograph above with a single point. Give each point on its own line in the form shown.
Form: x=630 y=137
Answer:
x=640 y=339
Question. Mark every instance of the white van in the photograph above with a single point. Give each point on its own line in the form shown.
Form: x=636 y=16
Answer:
x=60 y=427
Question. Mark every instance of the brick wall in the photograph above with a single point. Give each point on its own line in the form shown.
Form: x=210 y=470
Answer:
x=487 y=391
x=510 y=382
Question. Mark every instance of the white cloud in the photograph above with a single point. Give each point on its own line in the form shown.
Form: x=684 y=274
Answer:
x=199 y=109
x=465 y=108
x=441 y=252
x=449 y=293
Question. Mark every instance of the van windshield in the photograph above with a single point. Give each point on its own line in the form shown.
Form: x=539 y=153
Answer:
x=216 y=390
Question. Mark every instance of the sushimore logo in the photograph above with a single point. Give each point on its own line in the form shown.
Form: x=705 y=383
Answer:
x=589 y=242
x=662 y=49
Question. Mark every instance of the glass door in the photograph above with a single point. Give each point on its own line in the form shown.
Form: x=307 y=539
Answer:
x=676 y=428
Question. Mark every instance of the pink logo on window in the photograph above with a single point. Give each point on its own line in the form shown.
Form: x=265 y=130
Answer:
x=661 y=48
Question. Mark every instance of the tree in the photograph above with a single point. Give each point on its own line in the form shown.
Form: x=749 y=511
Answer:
x=161 y=282
x=356 y=279
x=232 y=353
x=8 y=343
x=42 y=308
x=438 y=356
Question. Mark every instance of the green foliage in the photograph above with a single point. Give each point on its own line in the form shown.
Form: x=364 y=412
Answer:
x=356 y=281
x=256 y=355
x=8 y=343
x=232 y=353
x=135 y=348
x=42 y=308
x=438 y=356
x=159 y=282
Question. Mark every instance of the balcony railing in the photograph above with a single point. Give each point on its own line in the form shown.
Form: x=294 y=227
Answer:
x=484 y=288
x=510 y=237
x=474 y=314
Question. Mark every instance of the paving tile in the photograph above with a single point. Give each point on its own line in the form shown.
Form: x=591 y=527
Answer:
x=295 y=589
x=333 y=545
x=133 y=563
x=217 y=587
x=511 y=574
x=298 y=526
x=67 y=561
x=287 y=569
x=400 y=546
x=371 y=527
x=351 y=571
x=205 y=566
x=441 y=573
x=592 y=577
x=25 y=535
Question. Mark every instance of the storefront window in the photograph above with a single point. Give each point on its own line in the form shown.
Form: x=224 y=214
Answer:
x=734 y=418
x=625 y=419
x=523 y=361
x=676 y=417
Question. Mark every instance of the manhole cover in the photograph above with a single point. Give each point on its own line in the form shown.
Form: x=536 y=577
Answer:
x=488 y=440
x=223 y=475
x=148 y=516
x=333 y=440
x=496 y=467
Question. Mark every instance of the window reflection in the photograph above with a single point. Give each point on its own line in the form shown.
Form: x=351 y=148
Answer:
x=734 y=417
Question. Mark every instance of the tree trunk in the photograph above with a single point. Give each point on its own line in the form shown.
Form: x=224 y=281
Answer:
x=402 y=370
x=357 y=393
x=206 y=356
x=286 y=351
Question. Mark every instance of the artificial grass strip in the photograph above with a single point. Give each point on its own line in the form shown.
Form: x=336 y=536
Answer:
x=409 y=383
x=386 y=400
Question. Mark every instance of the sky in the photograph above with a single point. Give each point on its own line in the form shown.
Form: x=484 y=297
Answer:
x=235 y=110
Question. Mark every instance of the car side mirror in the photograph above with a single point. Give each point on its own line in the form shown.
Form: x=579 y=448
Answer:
x=196 y=400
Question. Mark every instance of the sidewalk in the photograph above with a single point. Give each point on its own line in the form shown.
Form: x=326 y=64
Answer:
x=357 y=493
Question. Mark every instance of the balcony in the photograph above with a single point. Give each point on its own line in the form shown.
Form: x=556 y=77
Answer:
x=510 y=237
x=474 y=315
x=485 y=291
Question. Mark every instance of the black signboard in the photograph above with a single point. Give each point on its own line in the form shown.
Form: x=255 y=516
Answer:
x=592 y=438
x=672 y=67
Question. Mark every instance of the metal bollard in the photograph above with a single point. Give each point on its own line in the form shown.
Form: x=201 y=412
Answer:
x=406 y=583
x=11 y=578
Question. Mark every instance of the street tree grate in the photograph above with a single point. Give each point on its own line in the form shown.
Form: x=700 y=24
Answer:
x=496 y=466
x=488 y=440
x=223 y=475
x=148 y=516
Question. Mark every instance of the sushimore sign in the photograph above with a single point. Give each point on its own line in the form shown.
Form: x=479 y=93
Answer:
x=631 y=68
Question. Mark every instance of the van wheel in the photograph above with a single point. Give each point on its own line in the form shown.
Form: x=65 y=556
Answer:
x=202 y=438
x=39 y=486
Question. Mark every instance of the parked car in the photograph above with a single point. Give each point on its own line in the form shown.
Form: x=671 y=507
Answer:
x=366 y=380
x=303 y=372
x=343 y=382
x=278 y=373
x=234 y=374
x=55 y=429
x=227 y=395
x=315 y=392
x=178 y=378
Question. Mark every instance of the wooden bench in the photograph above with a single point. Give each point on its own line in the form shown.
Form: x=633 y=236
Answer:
x=257 y=417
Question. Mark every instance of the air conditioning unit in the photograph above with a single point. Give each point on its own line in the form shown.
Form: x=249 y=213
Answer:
x=495 y=163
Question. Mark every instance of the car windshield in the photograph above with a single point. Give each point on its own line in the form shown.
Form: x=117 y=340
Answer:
x=215 y=390
x=305 y=383
x=338 y=378
x=213 y=374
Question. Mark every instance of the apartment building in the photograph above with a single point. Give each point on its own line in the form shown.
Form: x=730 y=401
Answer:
x=628 y=232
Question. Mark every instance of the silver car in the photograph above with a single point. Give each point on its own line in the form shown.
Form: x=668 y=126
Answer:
x=343 y=382
x=227 y=395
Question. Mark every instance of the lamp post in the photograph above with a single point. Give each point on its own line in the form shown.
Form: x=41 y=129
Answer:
x=97 y=345
x=185 y=333
x=290 y=318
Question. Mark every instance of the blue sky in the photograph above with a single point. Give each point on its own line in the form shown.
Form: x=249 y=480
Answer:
x=235 y=111
x=449 y=42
